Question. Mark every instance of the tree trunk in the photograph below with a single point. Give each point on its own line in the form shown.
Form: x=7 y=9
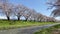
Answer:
x=26 y=19
x=8 y=18
x=19 y=18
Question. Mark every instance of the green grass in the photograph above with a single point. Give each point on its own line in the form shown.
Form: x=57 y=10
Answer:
x=48 y=30
x=5 y=24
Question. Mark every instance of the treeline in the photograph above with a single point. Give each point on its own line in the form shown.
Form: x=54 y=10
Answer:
x=20 y=10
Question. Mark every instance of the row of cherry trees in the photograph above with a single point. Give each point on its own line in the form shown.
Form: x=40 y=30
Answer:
x=20 y=10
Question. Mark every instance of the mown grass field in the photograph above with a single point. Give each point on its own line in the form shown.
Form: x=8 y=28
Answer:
x=52 y=30
x=5 y=24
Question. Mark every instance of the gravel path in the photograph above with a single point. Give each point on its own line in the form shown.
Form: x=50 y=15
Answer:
x=26 y=30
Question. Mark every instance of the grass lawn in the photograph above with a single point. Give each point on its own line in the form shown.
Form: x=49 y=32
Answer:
x=5 y=24
x=52 y=30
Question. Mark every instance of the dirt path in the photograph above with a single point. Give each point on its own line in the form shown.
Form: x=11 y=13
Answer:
x=27 y=30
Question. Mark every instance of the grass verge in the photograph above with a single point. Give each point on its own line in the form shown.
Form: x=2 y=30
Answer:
x=5 y=24
x=51 y=30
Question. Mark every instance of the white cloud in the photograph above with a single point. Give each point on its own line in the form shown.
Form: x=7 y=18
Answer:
x=58 y=18
x=3 y=17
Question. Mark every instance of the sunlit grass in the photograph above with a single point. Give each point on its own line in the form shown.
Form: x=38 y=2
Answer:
x=49 y=30
x=5 y=24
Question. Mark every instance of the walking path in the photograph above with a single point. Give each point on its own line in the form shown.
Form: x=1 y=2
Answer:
x=26 y=30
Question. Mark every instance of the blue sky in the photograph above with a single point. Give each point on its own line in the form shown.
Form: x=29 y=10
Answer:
x=39 y=5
